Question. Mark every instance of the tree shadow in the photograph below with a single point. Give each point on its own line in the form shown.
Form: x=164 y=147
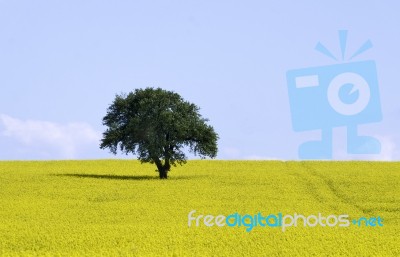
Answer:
x=122 y=177
x=110 y=177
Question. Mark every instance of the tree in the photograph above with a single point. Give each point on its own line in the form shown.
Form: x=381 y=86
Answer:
x=156 y=125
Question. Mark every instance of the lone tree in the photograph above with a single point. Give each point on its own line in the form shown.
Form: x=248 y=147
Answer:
x=156 y=125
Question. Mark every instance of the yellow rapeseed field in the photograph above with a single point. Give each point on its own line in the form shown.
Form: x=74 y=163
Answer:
x=121 y=208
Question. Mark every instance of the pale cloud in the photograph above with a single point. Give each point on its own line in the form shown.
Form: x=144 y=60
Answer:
x=261 y=158
x=234 y=153
x=389 y=151
x=231 y=153
x=44 y=139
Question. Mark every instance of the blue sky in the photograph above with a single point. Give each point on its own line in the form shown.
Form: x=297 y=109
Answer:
x=62 y=62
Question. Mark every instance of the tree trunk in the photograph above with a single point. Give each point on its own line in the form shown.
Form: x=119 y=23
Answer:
x=163 y=173
x=162 y=169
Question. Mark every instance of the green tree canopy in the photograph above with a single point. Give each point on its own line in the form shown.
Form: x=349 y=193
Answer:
x=156 y=125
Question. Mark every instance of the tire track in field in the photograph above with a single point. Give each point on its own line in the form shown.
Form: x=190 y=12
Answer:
x=312 y=188
x=323 y=189
x=347 y=200
x=329 y=183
